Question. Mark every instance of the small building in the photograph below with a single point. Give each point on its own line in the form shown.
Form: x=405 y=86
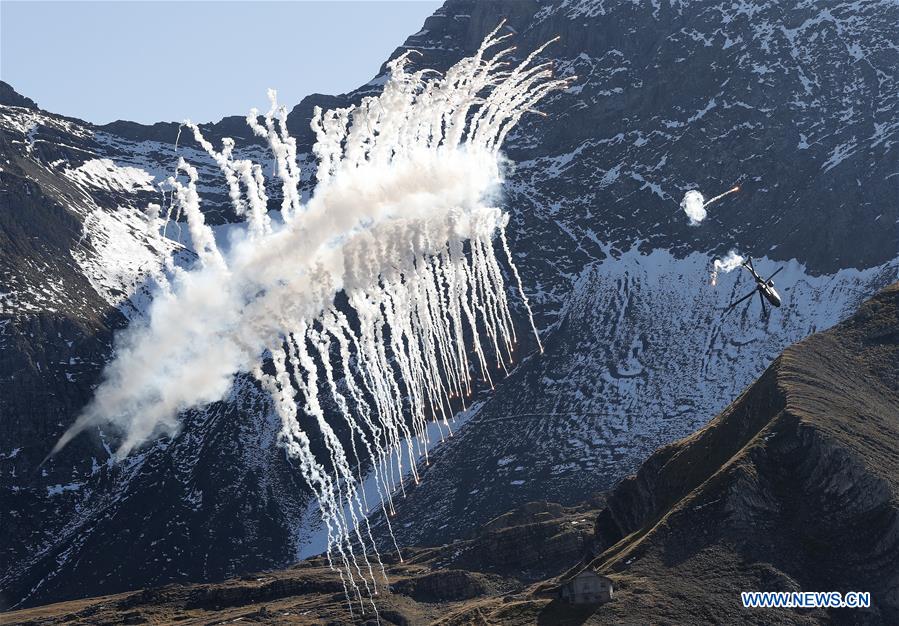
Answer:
x=586 y=587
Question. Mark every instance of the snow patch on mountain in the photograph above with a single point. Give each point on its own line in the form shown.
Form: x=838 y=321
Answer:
x=105 y=174
x=125 y=251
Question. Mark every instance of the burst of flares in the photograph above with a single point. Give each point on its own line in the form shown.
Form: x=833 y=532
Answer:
x=402 y=222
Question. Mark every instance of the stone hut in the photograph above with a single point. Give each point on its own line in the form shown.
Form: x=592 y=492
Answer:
x=586 y=587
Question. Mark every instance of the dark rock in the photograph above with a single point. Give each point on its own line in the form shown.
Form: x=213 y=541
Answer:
x=443 y=585
x=11 y=97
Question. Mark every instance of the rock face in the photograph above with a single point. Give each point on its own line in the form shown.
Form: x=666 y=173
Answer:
x=796 y=101
x=442 y=586
x=9 y=97
x=537 y=540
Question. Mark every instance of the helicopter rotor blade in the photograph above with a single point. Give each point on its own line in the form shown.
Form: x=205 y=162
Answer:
x=735 y=303
x=775 y=273
x=764 y=307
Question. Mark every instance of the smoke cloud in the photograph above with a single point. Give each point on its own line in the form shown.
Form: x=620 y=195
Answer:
x=401 y=221
x=728 y=264
x=693 y=205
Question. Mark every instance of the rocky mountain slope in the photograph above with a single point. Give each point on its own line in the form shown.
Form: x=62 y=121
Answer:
x=795 y=486
x=796 y=101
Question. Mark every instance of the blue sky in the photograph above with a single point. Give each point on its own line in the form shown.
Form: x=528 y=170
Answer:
x=167 y=61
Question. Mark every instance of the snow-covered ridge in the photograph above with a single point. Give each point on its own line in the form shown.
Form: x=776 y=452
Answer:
x=23 y=121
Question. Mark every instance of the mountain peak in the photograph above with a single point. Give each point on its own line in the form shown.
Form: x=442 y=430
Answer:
x=11 y=97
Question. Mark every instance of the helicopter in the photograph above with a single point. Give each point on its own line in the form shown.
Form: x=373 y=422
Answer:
x=764 y=287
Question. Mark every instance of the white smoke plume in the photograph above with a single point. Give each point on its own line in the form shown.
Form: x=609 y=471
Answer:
x=731 y=262
x=696 y=206
x=401 y=222
x=693 y=205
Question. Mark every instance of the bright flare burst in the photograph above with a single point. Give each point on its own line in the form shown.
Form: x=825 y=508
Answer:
x=401 y=221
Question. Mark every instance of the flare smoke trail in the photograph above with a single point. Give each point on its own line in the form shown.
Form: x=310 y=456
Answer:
x=404 y=182
x=695 y=205
x=721 y=195
x=731 y=262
